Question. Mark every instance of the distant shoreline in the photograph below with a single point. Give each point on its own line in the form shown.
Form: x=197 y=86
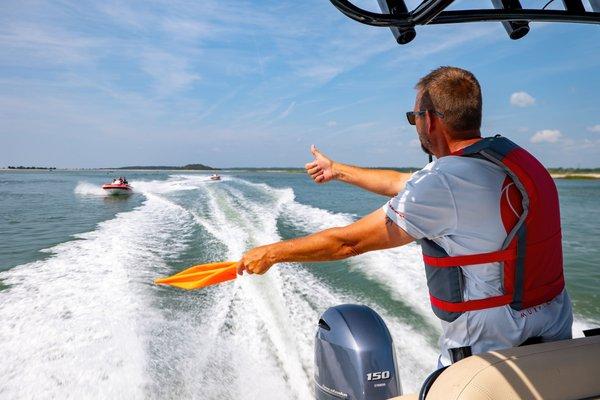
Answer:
x=571 y=174
x=576 y=175
x=187 y=167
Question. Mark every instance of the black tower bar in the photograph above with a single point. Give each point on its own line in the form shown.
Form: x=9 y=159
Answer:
x=431 y=12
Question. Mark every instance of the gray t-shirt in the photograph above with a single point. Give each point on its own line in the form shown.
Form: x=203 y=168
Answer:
x=455 y=201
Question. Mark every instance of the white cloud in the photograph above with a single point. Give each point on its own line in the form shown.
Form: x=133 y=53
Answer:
x=287 y=111
x=546 y=135
x=216 y=105
x=170 y=72
x=190 y=29
x=521 y=99
x=283 y=114
x=29 y=44
x=321 y=73
x=331 y=124
x=595 y=128
x=362 y=127
x=345 y=106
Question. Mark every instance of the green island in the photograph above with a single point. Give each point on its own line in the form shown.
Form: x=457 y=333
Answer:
x=30 y=168
x=187 y=167
x=575 y=173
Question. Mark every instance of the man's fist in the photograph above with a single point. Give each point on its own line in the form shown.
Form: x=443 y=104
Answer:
x=255 y=261
x=321 y=169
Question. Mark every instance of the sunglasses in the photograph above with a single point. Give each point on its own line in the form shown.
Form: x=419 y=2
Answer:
x=411 y=115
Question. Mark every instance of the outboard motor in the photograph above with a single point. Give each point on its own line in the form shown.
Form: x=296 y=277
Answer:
x=354 y=356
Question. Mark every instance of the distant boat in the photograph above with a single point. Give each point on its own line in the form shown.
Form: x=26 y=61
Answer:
x=215 y=177
x=118 y=186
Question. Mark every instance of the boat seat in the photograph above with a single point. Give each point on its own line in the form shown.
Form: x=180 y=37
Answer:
x=568 y=369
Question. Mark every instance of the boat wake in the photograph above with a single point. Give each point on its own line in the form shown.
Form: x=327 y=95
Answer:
x=88 y=189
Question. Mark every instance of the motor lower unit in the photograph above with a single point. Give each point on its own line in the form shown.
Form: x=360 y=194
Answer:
x=354 y=356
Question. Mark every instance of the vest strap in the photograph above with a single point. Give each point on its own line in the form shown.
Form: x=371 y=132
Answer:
x=471 y=305
x=483 y=258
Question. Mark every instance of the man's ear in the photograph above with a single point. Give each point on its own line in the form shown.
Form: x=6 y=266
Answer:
x=430 y=120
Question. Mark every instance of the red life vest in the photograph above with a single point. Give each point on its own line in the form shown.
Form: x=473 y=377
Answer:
x=531 y=255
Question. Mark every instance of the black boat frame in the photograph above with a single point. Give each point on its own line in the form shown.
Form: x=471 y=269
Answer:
x=431 y=12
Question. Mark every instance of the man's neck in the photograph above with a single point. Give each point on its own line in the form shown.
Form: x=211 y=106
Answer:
x=453 y=145
x=461 y=144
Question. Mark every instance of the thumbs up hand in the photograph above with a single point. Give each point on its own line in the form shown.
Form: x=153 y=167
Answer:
x=321 y=169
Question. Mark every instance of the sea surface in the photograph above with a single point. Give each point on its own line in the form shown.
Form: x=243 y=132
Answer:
x=81 y=318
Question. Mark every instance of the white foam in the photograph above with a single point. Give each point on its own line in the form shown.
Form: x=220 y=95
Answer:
x=280 y=299
x=258 y=315
x=399 y=269
x=88 y=189
x=173 y=184
x=74 y=324
x=581 y=324
x=162 y=186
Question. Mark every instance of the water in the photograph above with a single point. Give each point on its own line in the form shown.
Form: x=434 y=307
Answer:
x=81 y=317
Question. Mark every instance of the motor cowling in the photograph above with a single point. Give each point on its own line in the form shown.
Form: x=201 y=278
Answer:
x=354 y=356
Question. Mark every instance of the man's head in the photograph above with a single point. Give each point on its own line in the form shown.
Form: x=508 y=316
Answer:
x=448 y=104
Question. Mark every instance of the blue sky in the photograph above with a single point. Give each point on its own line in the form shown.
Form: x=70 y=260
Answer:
x=254 y=83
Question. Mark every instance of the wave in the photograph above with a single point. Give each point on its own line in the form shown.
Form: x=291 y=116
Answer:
x=88 y=189
x=266 y=322
x=74 y=322
x=419 y=355
x=173 y=184
x=399 y=270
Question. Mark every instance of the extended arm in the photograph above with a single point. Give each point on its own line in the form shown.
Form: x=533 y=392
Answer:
x=381 y=181
x=373 y=232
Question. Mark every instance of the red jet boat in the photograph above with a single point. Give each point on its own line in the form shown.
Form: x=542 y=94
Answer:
x=118 y=186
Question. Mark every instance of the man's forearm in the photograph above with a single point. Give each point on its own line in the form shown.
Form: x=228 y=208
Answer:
x=381 y=181
x=372 y=232
x=326 y=245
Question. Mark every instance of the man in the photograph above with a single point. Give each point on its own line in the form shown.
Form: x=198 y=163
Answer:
x=485 y=213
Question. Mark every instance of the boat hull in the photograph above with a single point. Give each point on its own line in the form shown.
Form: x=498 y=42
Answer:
x=117 y=190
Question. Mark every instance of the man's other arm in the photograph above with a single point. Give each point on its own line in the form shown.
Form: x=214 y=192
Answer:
x=381 y=181
x=373 y=232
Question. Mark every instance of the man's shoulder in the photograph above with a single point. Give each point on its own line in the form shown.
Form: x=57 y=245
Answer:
x=465 y=168
x=428 y=181
x=460 y=162
x=452 y=165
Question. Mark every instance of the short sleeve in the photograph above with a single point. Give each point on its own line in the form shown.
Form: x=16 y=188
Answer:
x=425 y=208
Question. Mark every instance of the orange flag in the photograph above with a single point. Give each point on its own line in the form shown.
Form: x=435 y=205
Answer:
x=200 y=276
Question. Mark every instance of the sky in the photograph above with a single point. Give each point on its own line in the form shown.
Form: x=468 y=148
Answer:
x=255 y=83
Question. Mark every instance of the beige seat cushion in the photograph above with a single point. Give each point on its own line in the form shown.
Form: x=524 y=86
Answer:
x=569 y=369
x=407 y=397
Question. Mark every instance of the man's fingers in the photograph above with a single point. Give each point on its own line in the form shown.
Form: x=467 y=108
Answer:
x=319 y=178
x=317 y=174
x=310 y=165
x=314 y=170
x=240 y=268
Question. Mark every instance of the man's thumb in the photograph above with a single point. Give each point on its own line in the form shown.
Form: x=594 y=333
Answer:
x=313 y=150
